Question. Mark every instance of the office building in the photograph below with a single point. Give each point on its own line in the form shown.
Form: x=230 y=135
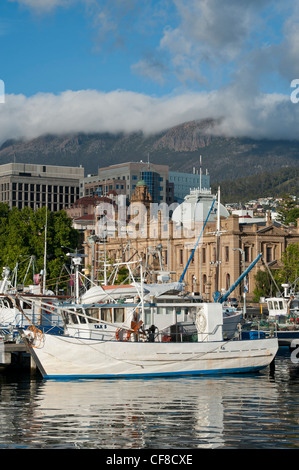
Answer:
x=123 y=178
x=30 y=185
x=163 y=185
x=184 y=182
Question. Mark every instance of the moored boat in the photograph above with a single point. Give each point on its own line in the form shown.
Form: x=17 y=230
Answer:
x=96 y=347
x=283 y=315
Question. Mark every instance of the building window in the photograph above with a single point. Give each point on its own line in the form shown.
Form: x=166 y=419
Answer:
x=269 y=254
x=227 y=254
x=204 y=282
x=203 y=250
x=181 y=257
x=246 y=251
x=227 y=281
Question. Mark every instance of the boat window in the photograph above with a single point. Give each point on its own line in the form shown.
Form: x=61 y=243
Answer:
x=74 y=318
x=119 y=315
x=26 y=306
x=65 y=317
x=8 y=302
x=275 y=305
x=160 y=310
x=270 y=305
x=169 y=310
x=280 y=305
x=106 y=314
x=81 y=317
x=93 y=313
x=147 y=316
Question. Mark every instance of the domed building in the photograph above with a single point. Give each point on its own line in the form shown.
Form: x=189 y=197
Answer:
x=196 y=207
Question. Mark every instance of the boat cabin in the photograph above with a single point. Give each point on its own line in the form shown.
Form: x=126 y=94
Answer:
x=163 y=321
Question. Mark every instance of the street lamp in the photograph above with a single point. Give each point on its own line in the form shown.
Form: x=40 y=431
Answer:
x=245 y=283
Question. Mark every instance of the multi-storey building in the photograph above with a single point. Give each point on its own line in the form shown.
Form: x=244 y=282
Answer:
x=123 y=178
x=26 y=184
x=208 y=271
x=163 y=185
x=183 y=182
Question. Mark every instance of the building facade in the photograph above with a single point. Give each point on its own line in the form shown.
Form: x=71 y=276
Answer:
x=211 y=268
x=123 y=178
x=163 y=185
x=30 y=185
x=183 y=182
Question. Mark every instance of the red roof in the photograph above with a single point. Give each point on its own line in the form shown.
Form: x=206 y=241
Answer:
x=85 y=217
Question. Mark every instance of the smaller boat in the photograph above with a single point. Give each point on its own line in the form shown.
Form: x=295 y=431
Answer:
x=20 y=312
x=283 y=314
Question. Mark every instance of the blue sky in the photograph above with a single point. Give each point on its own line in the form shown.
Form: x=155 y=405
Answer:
x=126 y=65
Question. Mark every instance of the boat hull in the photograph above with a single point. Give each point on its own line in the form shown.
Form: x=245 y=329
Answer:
x=70 y=357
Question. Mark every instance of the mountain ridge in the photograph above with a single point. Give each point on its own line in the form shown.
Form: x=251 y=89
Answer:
x=180 y=147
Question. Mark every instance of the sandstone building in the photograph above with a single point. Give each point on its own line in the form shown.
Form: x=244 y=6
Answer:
x=163 y=241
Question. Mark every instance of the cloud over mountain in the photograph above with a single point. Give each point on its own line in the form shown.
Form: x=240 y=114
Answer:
x=267 y=116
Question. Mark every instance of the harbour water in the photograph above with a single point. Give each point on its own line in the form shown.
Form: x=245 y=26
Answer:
x=259 y=411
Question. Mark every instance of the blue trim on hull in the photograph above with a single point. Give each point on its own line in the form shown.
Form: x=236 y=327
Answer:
x=158 y=374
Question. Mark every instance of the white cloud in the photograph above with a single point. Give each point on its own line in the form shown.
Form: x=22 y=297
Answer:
x=267 y=116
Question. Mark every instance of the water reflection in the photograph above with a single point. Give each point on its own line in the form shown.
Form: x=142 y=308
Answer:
x=255 y=411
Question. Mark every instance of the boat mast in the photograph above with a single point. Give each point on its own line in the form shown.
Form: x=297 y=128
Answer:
x=45 y=254
x=218 y=233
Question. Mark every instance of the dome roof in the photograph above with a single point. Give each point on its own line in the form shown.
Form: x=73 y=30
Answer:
x=196 y=206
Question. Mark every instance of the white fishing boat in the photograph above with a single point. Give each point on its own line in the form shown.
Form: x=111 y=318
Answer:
x=110 y=340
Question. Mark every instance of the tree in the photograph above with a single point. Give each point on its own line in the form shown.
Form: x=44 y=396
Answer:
x=23 y=233
x=290 y=265
x=288 y=273
x=288 y=212
x=263 y=287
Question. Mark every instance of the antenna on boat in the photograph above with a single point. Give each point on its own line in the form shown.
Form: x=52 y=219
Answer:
x=76 y=260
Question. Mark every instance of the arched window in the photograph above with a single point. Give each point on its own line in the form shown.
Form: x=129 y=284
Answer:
x=227 y=281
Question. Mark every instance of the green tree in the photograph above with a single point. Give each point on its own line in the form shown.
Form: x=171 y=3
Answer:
x=263 y=287
x=288 y=273
x=290 y=265
x=288 y=212
x=23 y=233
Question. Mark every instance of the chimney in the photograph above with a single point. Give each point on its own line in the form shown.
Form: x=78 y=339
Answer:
x=269 y=219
